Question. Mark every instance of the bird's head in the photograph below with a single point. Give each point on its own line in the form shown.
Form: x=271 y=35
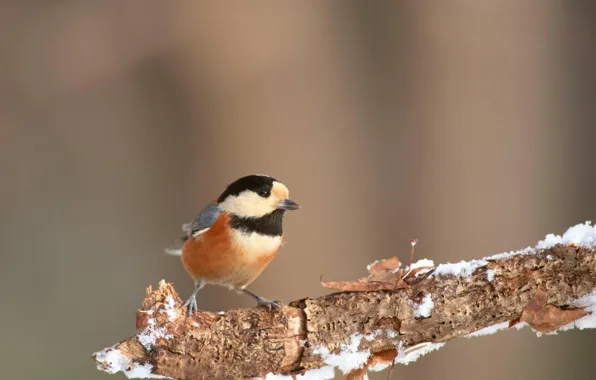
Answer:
x=255 y=196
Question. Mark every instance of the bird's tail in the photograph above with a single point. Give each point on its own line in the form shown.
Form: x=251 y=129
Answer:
x=178 y=251
x=173 y=251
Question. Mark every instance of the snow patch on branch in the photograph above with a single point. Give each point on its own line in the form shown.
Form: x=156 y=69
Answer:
x=111 y=360
x=372 y=336
x=422 y=263
x=426 y=264
x=490 y=275
x=424 y=310
x=349 y=358
x=149 y=336
x=411 y=354
x=580 y=234
x=489 y=330
x=461 y=269
x=588 y=302
x=323 y=373
x=170 y=308
x=379 y=367
x=508 y=255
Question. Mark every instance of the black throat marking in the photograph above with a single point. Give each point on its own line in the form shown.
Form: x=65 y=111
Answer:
x=269 y=224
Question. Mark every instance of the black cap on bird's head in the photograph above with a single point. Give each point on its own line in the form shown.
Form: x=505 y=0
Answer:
x=260 y=184
x=256 y=195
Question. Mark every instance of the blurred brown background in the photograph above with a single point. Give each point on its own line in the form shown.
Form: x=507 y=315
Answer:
x=466 y=124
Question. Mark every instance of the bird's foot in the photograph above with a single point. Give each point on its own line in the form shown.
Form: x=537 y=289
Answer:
x=191 y=302
x=269 y=304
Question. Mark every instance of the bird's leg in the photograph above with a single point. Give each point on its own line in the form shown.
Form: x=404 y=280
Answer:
x=191 y=302
x=270 y=304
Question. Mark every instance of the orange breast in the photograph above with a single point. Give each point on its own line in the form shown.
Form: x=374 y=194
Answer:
x=225 y=257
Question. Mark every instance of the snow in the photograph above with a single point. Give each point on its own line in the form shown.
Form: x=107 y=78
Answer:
x=375 y=334
x=490 y=275
x=143 y=371
x=411 y=354
x=379 y=367
x=274 y=376
x=508 y=255
x=422 y=263
x=372 y=336
x=588 y=302
x=489 y=330
x=424 y=310
x=149 y=336
x=580 y=234
x=461 y=269
x=112 y=360
x=429 y=264
x=349 y=357
x=520 y=325
x=170 y=308
x=323 y=373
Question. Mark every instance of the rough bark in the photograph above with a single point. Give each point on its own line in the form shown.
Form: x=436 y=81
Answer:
x=247 y=343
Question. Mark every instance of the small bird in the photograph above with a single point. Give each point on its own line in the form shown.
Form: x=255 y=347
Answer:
x=236 y=236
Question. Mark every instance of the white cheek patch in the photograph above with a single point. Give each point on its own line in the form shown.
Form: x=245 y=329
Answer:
x=248 y=204
x=255 y=244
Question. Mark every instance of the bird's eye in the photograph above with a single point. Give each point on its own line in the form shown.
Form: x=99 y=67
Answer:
x=263 y=193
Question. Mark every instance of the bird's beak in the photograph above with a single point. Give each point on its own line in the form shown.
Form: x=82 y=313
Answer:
x=288 y=204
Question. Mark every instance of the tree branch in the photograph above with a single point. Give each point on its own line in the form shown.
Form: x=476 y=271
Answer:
x=550 y=287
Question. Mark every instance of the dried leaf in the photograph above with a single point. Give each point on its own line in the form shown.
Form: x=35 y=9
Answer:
x=357 y=374
x=547 y=318
x=384 y=275
x=385 y=357
x=384 y=270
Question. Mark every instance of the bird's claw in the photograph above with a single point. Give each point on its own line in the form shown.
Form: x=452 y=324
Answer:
x=191 y=302
x=269 y=304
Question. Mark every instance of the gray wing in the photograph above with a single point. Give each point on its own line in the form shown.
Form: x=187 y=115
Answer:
x=204 y=220
x=200 y=224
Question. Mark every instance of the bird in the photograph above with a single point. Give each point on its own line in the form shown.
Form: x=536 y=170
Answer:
x=235 y=237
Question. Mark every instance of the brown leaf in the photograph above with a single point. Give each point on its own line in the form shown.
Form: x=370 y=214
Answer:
x=384 y=275
x=384 y=270
x=357 y=374
x=547 y=318
x=386 y=357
